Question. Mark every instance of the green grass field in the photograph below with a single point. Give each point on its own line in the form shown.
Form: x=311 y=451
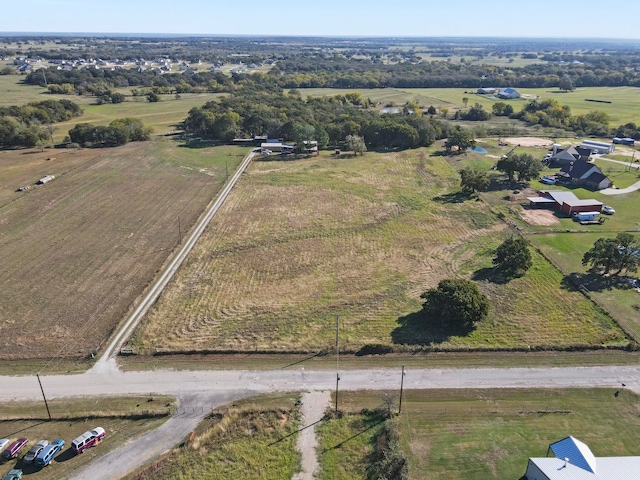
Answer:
x=301 y=241
x=163 y=116
x=488 y=434
x=623 y=109
x=253 y=439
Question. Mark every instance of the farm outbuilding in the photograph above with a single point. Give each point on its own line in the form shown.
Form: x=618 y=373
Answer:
x=565 y=202
x=624 y=141
x=276 y=147
x=508 y=93
x=573 y=460
x=600 y=148
x=486 y=91
x=46 y=179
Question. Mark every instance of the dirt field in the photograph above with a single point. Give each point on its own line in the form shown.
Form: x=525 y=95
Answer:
x=300 y=242
x=529 y=141
x=539 y=216
x=76 y=252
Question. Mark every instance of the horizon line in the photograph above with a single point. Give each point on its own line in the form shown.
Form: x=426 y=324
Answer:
x=324 y=36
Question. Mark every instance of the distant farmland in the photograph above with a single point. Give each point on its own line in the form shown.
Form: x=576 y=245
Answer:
x=78 y=251
x=624 y=106
x=300 y=242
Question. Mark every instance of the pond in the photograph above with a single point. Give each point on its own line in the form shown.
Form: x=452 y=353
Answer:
x=478 y=150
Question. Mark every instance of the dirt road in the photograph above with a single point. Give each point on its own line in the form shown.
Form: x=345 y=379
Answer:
x=314 y=405
x=167 y=274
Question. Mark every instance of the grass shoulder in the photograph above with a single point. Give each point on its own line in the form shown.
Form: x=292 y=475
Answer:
x=123 y=418
x=251 y=439
x=484 y=433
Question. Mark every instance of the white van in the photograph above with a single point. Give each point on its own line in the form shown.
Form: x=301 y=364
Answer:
x=88 y=439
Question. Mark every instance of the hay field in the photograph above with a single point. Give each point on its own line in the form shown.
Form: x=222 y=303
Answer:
x=302 y=241
x=78 y=251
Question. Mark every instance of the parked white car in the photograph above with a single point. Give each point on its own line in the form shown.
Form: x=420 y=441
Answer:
x=3 y=443
x=548 y=180
x=608 y=210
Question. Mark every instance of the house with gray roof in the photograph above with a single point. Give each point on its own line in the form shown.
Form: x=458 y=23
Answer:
x=585 y=174
x=568 y=155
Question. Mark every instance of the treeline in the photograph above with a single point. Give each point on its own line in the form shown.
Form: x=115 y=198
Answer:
x=118 y=132
x=550 y=113
x=32 y=124
x=338 y=71
x=98 y=82
x=255 y=110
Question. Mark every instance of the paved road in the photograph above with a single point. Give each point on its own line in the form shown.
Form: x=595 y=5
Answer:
x=199 y=391
x=179 y=383
x=620 y=191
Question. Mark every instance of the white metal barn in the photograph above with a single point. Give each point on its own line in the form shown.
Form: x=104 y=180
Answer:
x=574 y=461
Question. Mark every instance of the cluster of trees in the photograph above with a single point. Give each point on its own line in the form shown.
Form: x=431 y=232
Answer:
x=619 y=253
x=459 y=303
x=118 y=132
x=257 y=110
x=32 y=124
x=550 y=113
x=524 y=165
x=477 y=113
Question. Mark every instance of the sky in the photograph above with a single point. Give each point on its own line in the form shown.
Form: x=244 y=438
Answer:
x=382 y=18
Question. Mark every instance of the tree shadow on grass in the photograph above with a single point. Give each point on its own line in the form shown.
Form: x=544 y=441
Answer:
x=417 y=329
x=594 y=282
x=453 y=197
x=493 y=275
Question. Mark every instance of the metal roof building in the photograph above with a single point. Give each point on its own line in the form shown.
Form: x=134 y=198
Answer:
x=575 y=461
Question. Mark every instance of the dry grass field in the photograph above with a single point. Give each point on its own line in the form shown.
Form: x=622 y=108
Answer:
x=302 y=241
x=78 y=251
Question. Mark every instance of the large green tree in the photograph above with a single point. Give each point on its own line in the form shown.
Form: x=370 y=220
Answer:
x=461 y=138
x=355 y=144
x=525 y=165
x=456 y=303
x=513 y=256
x=472 y=180
x=621 y=252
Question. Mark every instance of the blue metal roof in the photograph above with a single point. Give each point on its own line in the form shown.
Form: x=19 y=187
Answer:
x=577 y=452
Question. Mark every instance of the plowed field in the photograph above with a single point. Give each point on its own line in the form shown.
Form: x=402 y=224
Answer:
x=78 y=251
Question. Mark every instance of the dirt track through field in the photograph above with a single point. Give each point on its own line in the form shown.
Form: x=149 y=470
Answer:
x=314 y=406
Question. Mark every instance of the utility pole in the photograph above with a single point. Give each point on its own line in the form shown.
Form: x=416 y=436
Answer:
x=337 y=358
x=632 y=160
x=43 y=395
x=45 y=77
x=401 y=387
